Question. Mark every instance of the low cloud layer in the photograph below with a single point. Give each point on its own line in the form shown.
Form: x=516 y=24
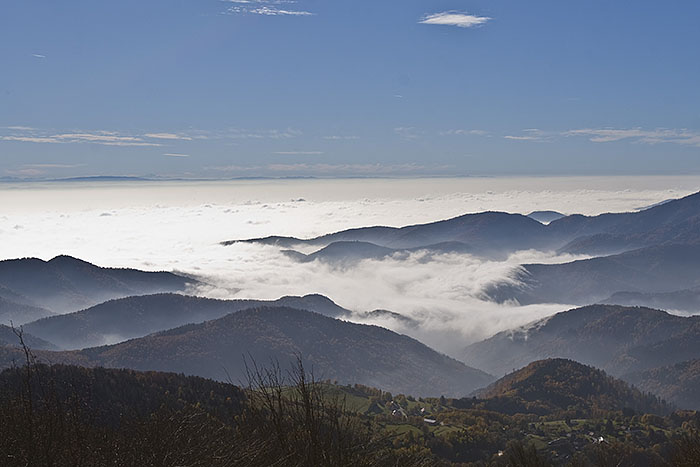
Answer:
x=178 y=226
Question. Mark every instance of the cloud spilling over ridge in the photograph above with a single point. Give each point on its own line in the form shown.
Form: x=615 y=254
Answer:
x=439 y=295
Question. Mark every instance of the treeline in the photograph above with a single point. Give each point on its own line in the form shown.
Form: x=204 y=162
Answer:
x=64 y=415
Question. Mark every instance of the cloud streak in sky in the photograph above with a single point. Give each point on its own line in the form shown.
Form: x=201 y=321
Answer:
x=660 y=135
x=25 y=134
x=172 y=136
x=265 y=8
x=455 y=18
x=105 y=138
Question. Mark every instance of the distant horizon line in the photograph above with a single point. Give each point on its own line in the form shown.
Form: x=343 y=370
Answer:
x=156 y=178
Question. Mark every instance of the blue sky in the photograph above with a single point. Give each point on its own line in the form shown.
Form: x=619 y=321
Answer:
x=218 y=89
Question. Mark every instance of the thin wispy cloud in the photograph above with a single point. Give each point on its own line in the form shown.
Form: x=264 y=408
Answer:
x=240 y=133
x=522 y=138
x=52 y=166
x=39 y=169
x=534 y=135
x=660 y=135
x=19 y=128
x=326 y=169
x=407 y=132
x=455 y=18
x=38 y=56
x=173 y=136
x=106 y=138
x=174 y=154
x=345 y=169
x=465 y=133
x=265 y=8
x=26 y=134
x=340 y=137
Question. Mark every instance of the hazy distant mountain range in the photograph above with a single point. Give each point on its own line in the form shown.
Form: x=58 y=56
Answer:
x=497 y=233
x=31 y=288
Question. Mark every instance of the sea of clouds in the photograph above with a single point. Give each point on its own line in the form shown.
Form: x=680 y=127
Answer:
x=178 y=226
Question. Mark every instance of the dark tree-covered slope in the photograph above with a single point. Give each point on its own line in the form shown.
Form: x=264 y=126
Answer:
x=549 y=385
x=118 y=394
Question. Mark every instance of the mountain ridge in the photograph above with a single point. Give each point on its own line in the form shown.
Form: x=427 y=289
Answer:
x=348 y=352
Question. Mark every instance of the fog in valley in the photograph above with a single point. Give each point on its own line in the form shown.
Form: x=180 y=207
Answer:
x=180 y=226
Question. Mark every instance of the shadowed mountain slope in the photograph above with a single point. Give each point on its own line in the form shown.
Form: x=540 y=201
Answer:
x=66 y=284
x=687 y=300
x=679 y=383
x=18 y=313
x=657 y=269
x=8 y=337
x=118 y=320
x=337 y=350
x=617 y=339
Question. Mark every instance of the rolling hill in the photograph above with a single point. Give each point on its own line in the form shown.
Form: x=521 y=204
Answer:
x=337 y=350
x=126 y=318
x=551 y=385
